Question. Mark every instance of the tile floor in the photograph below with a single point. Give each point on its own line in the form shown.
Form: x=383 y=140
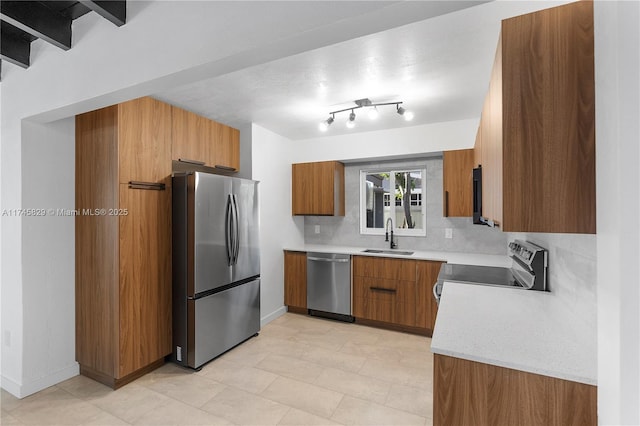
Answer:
x=299 y=371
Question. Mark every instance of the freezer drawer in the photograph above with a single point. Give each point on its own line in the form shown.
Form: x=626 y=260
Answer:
x=219 y=322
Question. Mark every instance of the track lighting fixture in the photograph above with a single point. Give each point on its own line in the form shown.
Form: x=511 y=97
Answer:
x=372 y=112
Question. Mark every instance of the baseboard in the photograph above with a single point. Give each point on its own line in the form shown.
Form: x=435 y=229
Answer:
x=273 y=315
x=10 y=386
x=36 y=385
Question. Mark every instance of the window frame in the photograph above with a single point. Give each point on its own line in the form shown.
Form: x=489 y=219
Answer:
x=421 y=232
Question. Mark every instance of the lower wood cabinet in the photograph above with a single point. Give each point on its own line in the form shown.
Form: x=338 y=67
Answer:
x=295 y=280
x=426 y=307
x=473 y=393
x=395 y=292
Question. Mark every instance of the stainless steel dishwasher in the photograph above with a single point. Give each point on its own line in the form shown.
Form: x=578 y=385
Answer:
x=329 y=285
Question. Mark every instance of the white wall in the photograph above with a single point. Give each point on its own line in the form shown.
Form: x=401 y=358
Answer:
x=402 y=141
x=110 y=64
x=48 y=261
x=278 y=229
x=617 y=61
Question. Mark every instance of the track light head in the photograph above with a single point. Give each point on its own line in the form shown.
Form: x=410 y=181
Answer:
x=324 y=126
x=352 y=117
x=408 y=115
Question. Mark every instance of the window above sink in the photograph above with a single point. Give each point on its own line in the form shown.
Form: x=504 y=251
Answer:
x=395 y=193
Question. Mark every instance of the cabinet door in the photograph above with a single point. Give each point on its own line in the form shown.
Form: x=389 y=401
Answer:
x=491 y=134
x=191 y=137
x=457 y=177
x=225 y=151
x=145 y=277
x=96 y=242
x=426 y=306
x=318 y=188
x=144 y=140
x=295 y=279
x=477 y=147
x=549 y=116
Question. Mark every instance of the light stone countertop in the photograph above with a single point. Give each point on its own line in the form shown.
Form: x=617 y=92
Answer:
x=523 y=330
x=444 y=256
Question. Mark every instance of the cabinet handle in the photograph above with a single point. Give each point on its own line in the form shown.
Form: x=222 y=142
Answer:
x=229 y=168
x=385 y=290
x=147 y=185
x=196 y=162
x=446 y=203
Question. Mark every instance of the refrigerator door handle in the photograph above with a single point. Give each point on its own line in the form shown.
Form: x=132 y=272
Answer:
x=236 y=222
x=228 y=238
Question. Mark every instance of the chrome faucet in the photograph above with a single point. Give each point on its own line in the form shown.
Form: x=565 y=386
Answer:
x=392 y=244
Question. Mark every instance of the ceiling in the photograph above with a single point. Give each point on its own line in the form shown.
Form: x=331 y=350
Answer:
x=439 y=67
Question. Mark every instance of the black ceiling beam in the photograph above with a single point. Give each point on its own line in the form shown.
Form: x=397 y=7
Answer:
x=36 y=19
x=14 y=49
x=113 y=10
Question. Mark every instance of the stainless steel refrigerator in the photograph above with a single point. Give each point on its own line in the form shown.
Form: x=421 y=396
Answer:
x=216 y=265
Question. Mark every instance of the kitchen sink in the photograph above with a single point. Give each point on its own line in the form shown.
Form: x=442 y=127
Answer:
x=397 y=252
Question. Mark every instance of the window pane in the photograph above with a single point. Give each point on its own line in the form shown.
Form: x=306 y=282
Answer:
x=377 y=199
x=408 y=195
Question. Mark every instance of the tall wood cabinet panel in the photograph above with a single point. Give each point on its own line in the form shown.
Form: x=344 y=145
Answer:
x=123 y=253
x=317 y=188
x=295 y=280
x=474 y=393
x=457 y=177
x=145 y=277
x=537 y=126
x=549 y=120
x=96 y=241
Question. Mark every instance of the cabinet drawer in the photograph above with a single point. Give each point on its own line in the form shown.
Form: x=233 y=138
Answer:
x=385 y=311
x=384 y=289
x=384 y=267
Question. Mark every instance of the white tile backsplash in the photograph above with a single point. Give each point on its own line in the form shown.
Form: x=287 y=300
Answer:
x=346 y=230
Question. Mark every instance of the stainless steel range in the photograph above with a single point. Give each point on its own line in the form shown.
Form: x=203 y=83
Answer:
x=528 y=270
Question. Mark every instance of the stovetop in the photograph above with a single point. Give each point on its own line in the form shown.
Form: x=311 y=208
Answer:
x=486 y=275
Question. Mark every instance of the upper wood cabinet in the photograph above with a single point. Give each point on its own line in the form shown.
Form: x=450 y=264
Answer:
x=191 y=136
x=200 y=140
x=457 y=177
x=537 y=131
x=295 y=279
x=226 y=152
x=317 y=188
x=143 y=139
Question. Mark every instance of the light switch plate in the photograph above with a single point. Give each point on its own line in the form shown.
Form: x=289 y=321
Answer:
x=448 y=232
x=317 y=229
